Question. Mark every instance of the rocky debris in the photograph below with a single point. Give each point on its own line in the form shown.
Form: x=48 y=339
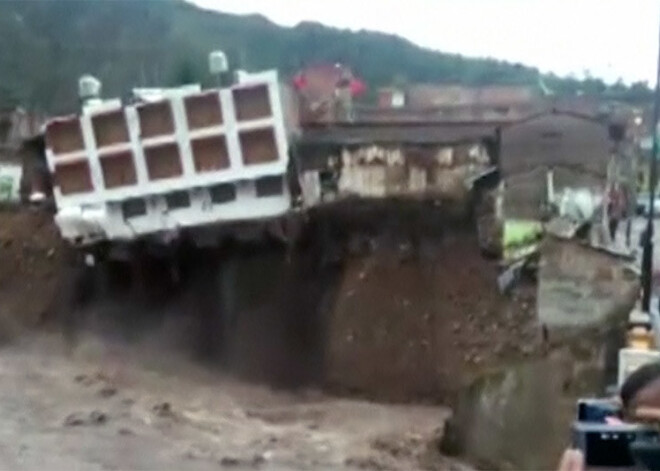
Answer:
x=107 y=392
x=254 y=461
x=278 y=416
x=81 y=379
x=163 y=409
x=77 y=419
x=258 y=460
x=392 y=450
x=127 y=401
x=97 y=417
x=228 y=461
x=94 y=379
x=397 y=447
x=125 y=431
x=74 y=420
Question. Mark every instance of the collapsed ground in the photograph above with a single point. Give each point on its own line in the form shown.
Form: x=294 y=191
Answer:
x=31 y=261
x=380 y=305
x=386 y=305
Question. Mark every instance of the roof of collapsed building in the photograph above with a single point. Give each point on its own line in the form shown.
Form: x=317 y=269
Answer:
x=431 y=126
x=401 y=133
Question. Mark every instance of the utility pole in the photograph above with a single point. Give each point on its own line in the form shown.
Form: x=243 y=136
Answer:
x=647 y=255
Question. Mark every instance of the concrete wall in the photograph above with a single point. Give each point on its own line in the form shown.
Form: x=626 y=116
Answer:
x=191 y=159
x=518 y=417
x=580 y=286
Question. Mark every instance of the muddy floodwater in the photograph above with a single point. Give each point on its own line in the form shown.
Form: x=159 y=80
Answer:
x=386 y=313
x=106 y=406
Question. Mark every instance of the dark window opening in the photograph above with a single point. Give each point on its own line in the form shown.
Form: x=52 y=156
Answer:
x=329 y=181
x=133 y=208
x=223 y=193
x=617 y=132
x=177 y=200
x=269 y=186
x=5 y=127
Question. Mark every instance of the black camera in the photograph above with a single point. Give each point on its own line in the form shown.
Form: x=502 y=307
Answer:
x=614 y=444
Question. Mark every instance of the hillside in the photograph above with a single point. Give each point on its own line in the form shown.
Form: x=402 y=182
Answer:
x=45 y=45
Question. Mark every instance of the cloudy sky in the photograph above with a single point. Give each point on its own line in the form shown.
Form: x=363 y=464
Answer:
x=609 y=38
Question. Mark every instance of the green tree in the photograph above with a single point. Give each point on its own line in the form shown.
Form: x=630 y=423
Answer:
x=185 y=72
x=126 y=43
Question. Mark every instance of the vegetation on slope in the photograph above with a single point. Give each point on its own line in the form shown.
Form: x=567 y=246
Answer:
x=45 y=45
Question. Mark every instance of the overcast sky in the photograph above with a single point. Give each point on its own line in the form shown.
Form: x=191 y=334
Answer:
x=610 y=38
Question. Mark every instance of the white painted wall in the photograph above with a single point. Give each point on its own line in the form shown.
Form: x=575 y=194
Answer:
x=97 y=215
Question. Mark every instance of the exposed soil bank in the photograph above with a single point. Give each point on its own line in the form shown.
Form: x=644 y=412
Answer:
x=420 y=326
x=30 y=268
x=392 y=303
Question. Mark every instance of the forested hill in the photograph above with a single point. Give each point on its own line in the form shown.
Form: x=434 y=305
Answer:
x=45 y=45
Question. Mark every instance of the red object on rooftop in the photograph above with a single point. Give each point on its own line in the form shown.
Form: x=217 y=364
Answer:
x=299 y=81
x=358 y=87
x=323 y=79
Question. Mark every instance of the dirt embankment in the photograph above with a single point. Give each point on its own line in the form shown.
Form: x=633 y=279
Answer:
x=420 y=326
x=396 y=306
x=30 y=268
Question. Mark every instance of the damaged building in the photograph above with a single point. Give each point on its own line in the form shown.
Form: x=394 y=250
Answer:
x=16 y=125
x=545 y=156
x=435 y=161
